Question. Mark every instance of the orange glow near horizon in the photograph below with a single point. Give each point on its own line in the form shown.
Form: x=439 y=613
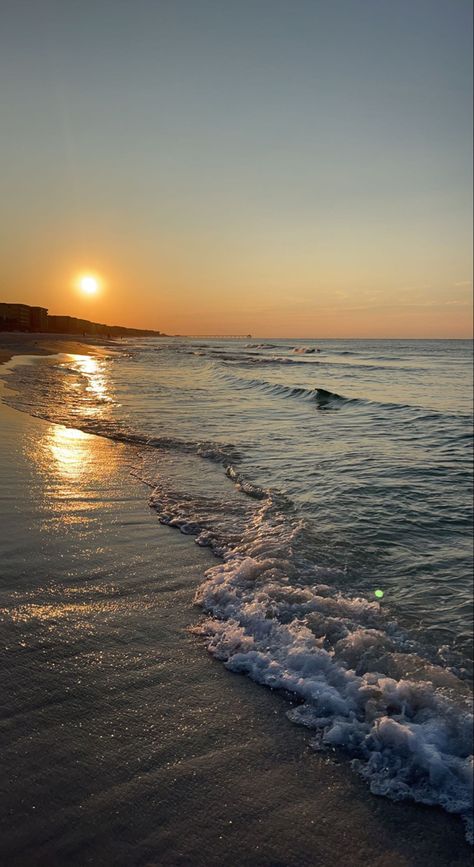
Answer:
x=325 y=298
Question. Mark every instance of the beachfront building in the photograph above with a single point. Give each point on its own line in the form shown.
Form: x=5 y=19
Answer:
x=71 y=325
x=22 y=317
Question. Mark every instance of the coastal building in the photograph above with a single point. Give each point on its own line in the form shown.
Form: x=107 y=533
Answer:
x=22 y=317
x=71 y=325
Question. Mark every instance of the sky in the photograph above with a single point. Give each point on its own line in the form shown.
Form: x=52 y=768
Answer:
x=276 y=167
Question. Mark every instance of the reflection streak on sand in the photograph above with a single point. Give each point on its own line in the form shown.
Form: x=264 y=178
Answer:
x=69 y=449
x=56 y=606
x=78 y=455
x=73 y=465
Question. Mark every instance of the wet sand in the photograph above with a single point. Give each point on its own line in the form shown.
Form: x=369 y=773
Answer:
x=22 y=343
x=123 y=741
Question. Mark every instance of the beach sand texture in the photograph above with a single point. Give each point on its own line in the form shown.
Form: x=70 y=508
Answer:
x=123 y=741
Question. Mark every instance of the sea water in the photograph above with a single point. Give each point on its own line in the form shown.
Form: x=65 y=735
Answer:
x=333 y=482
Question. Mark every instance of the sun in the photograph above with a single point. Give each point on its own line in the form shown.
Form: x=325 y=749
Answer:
x=88 y=283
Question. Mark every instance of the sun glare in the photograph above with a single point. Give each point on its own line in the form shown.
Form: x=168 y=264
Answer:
x=88 y=284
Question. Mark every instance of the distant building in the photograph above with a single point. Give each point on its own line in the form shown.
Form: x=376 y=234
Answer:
x=22 y=317
x=71 y=325
x=39 y=319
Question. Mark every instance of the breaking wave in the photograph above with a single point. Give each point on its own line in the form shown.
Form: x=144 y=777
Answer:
x=408 y=740
x=321 y=396
x=360 y=683
x=263 y=346
x=326 y=399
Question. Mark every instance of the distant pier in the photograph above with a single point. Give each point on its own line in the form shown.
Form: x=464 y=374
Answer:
x=215 y=336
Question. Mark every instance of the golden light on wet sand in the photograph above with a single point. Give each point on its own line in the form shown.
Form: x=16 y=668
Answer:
x=75 y=461
x=70 y=449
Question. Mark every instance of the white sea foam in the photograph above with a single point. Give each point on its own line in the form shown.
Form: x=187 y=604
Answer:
x=262 y=346
x=408 y=740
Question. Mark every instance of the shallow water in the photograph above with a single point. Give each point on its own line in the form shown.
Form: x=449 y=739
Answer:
x=319 y=477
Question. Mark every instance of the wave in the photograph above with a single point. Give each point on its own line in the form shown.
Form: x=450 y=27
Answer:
x=263 y=346
x=245 y=360
x=220 y=453
x=269 y=615
x=259 y=359
x=244 y=485
x=250 y=358
x=407 y=740
x=326 y=399
x=321 y=396
x=253 y=356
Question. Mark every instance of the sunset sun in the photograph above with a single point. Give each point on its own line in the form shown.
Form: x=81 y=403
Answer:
x=89 y=284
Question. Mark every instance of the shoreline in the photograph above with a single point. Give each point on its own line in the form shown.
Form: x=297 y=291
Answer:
x=195 y=763
x=43 y=343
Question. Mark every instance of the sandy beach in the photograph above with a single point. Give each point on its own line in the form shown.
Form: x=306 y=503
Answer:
x=23 y=343
x=123 y=741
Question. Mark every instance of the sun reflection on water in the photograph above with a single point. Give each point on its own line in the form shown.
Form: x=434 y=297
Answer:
x=73 y=462
x=97 y=382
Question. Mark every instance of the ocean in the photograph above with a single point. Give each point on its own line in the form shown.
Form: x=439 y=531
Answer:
x=332 y=480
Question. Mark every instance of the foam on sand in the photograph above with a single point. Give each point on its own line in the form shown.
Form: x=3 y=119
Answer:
x=407 y=739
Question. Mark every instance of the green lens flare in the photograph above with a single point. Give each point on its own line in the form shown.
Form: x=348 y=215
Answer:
x=378 y=594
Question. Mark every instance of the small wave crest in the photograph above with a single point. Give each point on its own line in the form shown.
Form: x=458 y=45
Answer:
x=262 y=346
x=244 y=485
x=321 y=396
